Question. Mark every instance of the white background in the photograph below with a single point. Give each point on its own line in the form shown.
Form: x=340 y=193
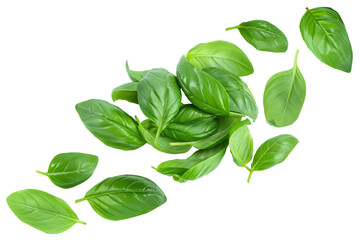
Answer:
x=54 y=54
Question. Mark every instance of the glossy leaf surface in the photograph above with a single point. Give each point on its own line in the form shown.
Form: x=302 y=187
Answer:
x=127 y=91
x=284 y=97
x=42 y=211
x=325 y=35
x=68 y=170
x=111 y=125
x=263 y=35
x=135 y=76
x=220 y=54
x=199 y=164
x=241 y=144
x=124 y=196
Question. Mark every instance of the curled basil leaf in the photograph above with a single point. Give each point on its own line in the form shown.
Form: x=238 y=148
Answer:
x=284 y=96
x=220 y=54
x=111 y=125
x=199 y=164
x=135 y=76
x=42 y=211
x=325 y=35
x=127 y=91
x=241 y=144
x=272 y=152
x=263 y=35
x=159 y=98
x=68 y=170
x=124 y=196
x=191 y=124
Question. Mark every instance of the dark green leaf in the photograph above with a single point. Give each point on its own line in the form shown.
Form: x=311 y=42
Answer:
x=284 y=97
x=68 y=170
x=124 y=196
x=263 y=35
x=127 y=91
x=325 y=35
x=111 y=125
x=42 y=211
x=135 y=76
x=241 y=144
x=220 y=54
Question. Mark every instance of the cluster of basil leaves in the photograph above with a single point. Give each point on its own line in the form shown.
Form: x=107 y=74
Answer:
x=209 y=75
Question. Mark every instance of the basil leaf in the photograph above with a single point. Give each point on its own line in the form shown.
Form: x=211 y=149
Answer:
x=159 y=98
x=204 y=91
x=124 y=196
x=284 y=96
x=199 y=164
x=325 y=35
x=191 y=124
x=241 y=144
x=111 y=125
x=42 y=211
x=127 y=91
x=241 y=99
x=68 y=170
x=220 y=54
x=272 y=152
x=263 y=35
x=135 y=76
x=148 y=130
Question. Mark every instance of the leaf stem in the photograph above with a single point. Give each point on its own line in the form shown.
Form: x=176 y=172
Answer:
x=43 y=173
x=296 y=58
x=80 y=200
x=81 y=222
x=157 y=137
x=231 y=28
x=249 y=177
x=247 y=168
x=307 y=9
x=235 y=114
x=174 y=144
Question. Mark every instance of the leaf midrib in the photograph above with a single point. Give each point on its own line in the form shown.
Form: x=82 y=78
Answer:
x=261 y=30
x=116 y=192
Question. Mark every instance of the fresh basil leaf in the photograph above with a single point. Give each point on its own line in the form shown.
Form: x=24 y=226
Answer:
x=241 y=144
x=284 y=96
x=42 y=211
x=111 y=125
x=220 y=54
x=68 y=170
x=127 y=91
x=159 y=98
x=204 y=91
x=135 y=76
x=263 y=35
x=124 y=196
x=325 y=35
x=241 y=99
x=149 y=130
x=191 y=124
x=199 y=164
x=272 y=152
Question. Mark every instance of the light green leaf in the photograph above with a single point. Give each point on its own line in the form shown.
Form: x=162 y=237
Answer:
x=127 y=91
x=241 y=144
x=135 y=76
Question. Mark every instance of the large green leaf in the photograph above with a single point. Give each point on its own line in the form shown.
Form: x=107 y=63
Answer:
x=241 y=144
x=127 y=91
x=124 y=196
x=68 y=170
x=42 y=211
x=220 y=54
x=135 y=76
x=191 y=124
x=284 y=96
x=325 y=35
x=241 y=99
x=111 y=125
x=199 y=164
x=159 y=98
x=263 y=35
x=272 y=152
x=204 y=91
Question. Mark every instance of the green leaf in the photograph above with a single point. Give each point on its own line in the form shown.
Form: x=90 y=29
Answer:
x=111 y=125
x=272 y=152
x=191 y=124
x=284 y=96
x=127 y=91
x=135 y=76
x=149 y=130
x=68 y=170
x=42 y=211
x=263 y=35
x=241 y=144
x=199 y=164
x=220 y=54
x=159 y=98
x=204 y=91
x=325 y=35
x=124 y=196
x=241 y=99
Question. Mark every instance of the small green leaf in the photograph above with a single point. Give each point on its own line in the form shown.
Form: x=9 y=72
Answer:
x=241 y=144
x=127 y=91
x=135 y=76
